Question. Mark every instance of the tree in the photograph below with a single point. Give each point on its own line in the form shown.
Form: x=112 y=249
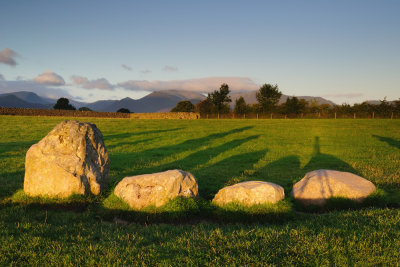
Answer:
x=63 y=103
x=220 y=98
x=240 y=106
x=204 y=107
x=84 y=109
x=268 y=96
x=295 y=106
x=183 y=106
x=123 y=110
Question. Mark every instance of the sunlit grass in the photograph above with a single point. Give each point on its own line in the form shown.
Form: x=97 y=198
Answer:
x=102 y=230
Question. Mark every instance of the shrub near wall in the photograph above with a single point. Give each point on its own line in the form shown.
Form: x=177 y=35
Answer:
x=166 y=115
x=63 y=113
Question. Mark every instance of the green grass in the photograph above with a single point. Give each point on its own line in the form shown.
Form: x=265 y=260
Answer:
x=102 y=230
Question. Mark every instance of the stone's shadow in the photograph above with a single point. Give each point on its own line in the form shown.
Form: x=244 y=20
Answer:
x=6 y=148
x=11 y=182
x=127 y=135
x=390 y=141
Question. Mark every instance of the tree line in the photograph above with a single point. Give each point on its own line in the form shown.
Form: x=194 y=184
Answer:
x=268 y=96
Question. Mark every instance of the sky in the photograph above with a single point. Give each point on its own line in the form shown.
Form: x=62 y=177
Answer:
x=347 y=51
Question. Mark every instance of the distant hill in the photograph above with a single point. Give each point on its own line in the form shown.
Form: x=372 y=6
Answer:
x=12 y=101
x=159 y=101
x=250 y=98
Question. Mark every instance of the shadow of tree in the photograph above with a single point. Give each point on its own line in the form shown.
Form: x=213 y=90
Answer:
x=325 y=161
x=123 y=162
x=214 y=177
x=390 y=141
x=130 y=134
x=287 y=171
x=131 y=143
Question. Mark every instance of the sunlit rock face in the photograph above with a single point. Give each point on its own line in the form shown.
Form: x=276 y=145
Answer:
x=156 y=189
x=250 y=193
x=317 y=186
x=71 y=159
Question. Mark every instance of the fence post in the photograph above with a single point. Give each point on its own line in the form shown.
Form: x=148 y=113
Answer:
x=271 y=115
x=244 y=116
x=257 y=116
x=335 y=115
x=319 y=114
x=218 y=115
x=373 y=114
x=391 y=117
x=354 y=115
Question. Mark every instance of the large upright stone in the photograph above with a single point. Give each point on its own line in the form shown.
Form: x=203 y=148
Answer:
x=250 y=193
x=317 y=186
x=71 y=159
x=156 y=189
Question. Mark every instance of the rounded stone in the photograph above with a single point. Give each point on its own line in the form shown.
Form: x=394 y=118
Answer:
x=250 y=193
x=156 y=189
x=318 y=186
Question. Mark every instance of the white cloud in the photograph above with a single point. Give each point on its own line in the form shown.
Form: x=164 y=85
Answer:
x=200 y=85
x=126 y=67
x=84 y=82
x=7 y=56
x=170 y=68
x=50 y=78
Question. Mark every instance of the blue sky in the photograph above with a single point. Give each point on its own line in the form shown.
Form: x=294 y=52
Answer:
x=346 y=51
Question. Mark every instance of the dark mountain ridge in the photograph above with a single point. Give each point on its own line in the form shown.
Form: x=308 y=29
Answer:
x=158 y=101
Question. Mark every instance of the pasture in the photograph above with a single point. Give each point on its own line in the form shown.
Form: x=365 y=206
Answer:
x=103 y=231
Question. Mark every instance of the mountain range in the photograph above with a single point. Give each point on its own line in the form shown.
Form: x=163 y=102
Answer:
x=158 y=101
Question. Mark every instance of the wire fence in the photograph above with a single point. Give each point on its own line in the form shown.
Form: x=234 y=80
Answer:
x=336 y=115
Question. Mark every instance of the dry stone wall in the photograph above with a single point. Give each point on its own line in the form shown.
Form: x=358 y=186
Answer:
x=167 y=115
x=61 y=113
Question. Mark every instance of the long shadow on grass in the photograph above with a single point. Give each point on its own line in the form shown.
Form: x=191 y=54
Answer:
x=130 y=143
x=139 y=160
x=10 y=182
x=6 y=148
x=127 y=135
x=390 y=141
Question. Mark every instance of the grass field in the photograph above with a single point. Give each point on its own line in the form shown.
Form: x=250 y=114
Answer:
x=103 y=231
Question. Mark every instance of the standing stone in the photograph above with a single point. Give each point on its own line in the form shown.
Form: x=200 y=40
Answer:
x=71 y=159
x=250 y=193
x=156 y=189
x=317 y=186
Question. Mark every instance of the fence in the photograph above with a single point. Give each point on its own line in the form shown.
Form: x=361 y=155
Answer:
x=337 y=115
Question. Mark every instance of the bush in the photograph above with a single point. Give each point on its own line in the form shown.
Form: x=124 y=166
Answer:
x=63 y=103
x=183 y=106
x=123 y=110
x=84 y=109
